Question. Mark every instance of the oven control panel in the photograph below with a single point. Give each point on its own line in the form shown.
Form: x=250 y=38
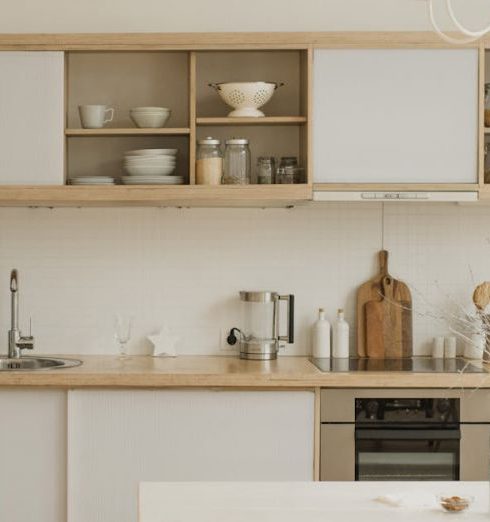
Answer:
x=401 y=411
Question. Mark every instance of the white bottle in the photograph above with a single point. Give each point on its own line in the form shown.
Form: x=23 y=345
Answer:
x=340 y=336
x=321 y=336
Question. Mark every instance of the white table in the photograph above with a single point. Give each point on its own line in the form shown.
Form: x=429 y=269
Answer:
x=306 y=501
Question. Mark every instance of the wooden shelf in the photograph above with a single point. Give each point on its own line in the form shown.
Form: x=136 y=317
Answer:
x=128 y=132
x=152 y=195
x=267 y=120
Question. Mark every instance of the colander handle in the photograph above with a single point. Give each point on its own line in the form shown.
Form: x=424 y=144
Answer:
x=215 y=86
x=278 y=84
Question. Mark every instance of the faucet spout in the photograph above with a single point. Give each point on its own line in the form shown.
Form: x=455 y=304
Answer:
x=16 y=341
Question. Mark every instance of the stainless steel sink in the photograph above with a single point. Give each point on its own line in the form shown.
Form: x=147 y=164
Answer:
x=29 y=364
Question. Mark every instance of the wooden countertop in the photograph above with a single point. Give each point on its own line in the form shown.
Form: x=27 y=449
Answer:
x=229 y=372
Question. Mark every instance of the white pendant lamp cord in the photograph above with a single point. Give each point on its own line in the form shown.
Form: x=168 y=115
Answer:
x=472 y=35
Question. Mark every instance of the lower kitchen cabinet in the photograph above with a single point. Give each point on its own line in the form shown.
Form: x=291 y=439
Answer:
x=118 y=438
x=33 y=468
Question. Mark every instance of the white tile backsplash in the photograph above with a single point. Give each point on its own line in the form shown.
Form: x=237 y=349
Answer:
x=184 y=267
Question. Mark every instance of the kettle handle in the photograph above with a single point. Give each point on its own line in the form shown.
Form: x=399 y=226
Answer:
x=289 y=338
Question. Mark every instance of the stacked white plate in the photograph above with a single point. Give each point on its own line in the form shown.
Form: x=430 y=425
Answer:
x=151 y=167
x=92 y=180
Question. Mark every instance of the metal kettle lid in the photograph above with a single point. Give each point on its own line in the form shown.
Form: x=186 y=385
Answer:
x=263 y=296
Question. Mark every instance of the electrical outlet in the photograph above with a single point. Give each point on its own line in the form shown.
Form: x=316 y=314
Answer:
x=223 y=344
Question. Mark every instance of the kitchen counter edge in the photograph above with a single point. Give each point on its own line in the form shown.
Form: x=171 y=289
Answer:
x=103 y=371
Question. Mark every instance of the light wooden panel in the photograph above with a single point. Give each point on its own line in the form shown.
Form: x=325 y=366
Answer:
x=192 y=117
x=125 y=80
x=481 y=116
x=33 y=469
x=154 y=195
x=279 y=66
x=120 y=438
x=389 y=116
x=264 y=40
x=267 y=120
x=31 y=118
x=165 y=131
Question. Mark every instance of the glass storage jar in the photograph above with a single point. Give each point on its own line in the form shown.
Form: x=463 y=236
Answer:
x=236 y=165
x=265 y=170
x=209 y=162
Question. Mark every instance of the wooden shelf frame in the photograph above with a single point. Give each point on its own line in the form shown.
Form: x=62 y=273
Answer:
x=156 y=195
x=183 y=193
x=267 y=120
x=111 y=132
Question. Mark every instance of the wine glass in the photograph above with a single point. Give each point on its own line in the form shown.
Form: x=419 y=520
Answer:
x=122 y=332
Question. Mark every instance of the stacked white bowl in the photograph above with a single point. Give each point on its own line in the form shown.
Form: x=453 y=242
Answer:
x=150 y=117
x=151 y=167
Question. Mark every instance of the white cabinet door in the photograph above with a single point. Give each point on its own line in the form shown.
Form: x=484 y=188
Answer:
x=117 y=439
x=31 y=118
x=33 y=462
x=395 y=116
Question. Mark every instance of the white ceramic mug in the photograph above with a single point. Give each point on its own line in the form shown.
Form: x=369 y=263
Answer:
x=94 y=116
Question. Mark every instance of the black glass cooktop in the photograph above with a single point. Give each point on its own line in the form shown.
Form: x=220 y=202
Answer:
x=415 y=365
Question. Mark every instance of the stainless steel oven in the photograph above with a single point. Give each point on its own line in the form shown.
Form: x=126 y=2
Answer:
x=405 y=435
x=407 y=439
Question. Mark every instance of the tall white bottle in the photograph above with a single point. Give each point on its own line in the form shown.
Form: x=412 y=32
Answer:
x=340 y=336
x=321 y=336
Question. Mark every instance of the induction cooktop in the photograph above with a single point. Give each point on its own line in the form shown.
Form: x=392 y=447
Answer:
x=413 y=364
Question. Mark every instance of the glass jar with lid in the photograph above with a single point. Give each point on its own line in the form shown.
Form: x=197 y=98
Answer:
x=236 y=164
x=209 y=162
x=266 y=170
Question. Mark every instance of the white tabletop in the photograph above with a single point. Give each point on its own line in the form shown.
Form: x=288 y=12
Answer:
x=306 y=501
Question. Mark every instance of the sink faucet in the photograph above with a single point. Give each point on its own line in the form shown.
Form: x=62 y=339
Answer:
x=17 y=342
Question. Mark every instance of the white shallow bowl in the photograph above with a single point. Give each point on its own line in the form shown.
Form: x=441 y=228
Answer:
x=153 y=180
x=152 y=152
x=150 y=109
x=150 y=120
x=150 y=160
x=150 y=171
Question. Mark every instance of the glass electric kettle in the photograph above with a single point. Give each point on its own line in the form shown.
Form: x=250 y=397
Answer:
x=259 y=335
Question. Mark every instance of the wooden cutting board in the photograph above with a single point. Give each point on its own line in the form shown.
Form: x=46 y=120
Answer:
x=396 y=343
x=384 y=324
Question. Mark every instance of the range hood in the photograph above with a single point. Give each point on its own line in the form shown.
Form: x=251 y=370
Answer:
x=396 y=196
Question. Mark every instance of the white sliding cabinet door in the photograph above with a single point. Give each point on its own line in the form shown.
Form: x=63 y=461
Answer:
x=31 y=118
x=33 y=463
x=395 y=116
x=120 y=438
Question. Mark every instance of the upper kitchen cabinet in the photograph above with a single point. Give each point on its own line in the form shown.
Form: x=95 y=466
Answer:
x=31 y=118
x=396 y=117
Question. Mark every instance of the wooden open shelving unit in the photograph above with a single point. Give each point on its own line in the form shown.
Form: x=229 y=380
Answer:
x=178 y=79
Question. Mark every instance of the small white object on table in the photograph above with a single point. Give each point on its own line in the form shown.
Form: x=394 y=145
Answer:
x=307 y=501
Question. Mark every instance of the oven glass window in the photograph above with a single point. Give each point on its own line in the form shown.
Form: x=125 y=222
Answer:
x=407 y=459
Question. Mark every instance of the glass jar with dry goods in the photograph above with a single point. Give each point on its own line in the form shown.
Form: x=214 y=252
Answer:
x=289 y=171
x=236 y=165
x=266 y=170
x=209 y=162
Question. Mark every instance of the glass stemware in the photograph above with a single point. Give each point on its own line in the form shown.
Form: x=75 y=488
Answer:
x=122 y=332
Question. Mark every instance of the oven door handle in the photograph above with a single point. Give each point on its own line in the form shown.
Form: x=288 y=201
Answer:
x=407 y=434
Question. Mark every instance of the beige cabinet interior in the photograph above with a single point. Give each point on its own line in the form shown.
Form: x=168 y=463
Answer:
x=180 y=80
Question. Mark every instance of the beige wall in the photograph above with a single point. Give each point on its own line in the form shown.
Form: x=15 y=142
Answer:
x=225 y=15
